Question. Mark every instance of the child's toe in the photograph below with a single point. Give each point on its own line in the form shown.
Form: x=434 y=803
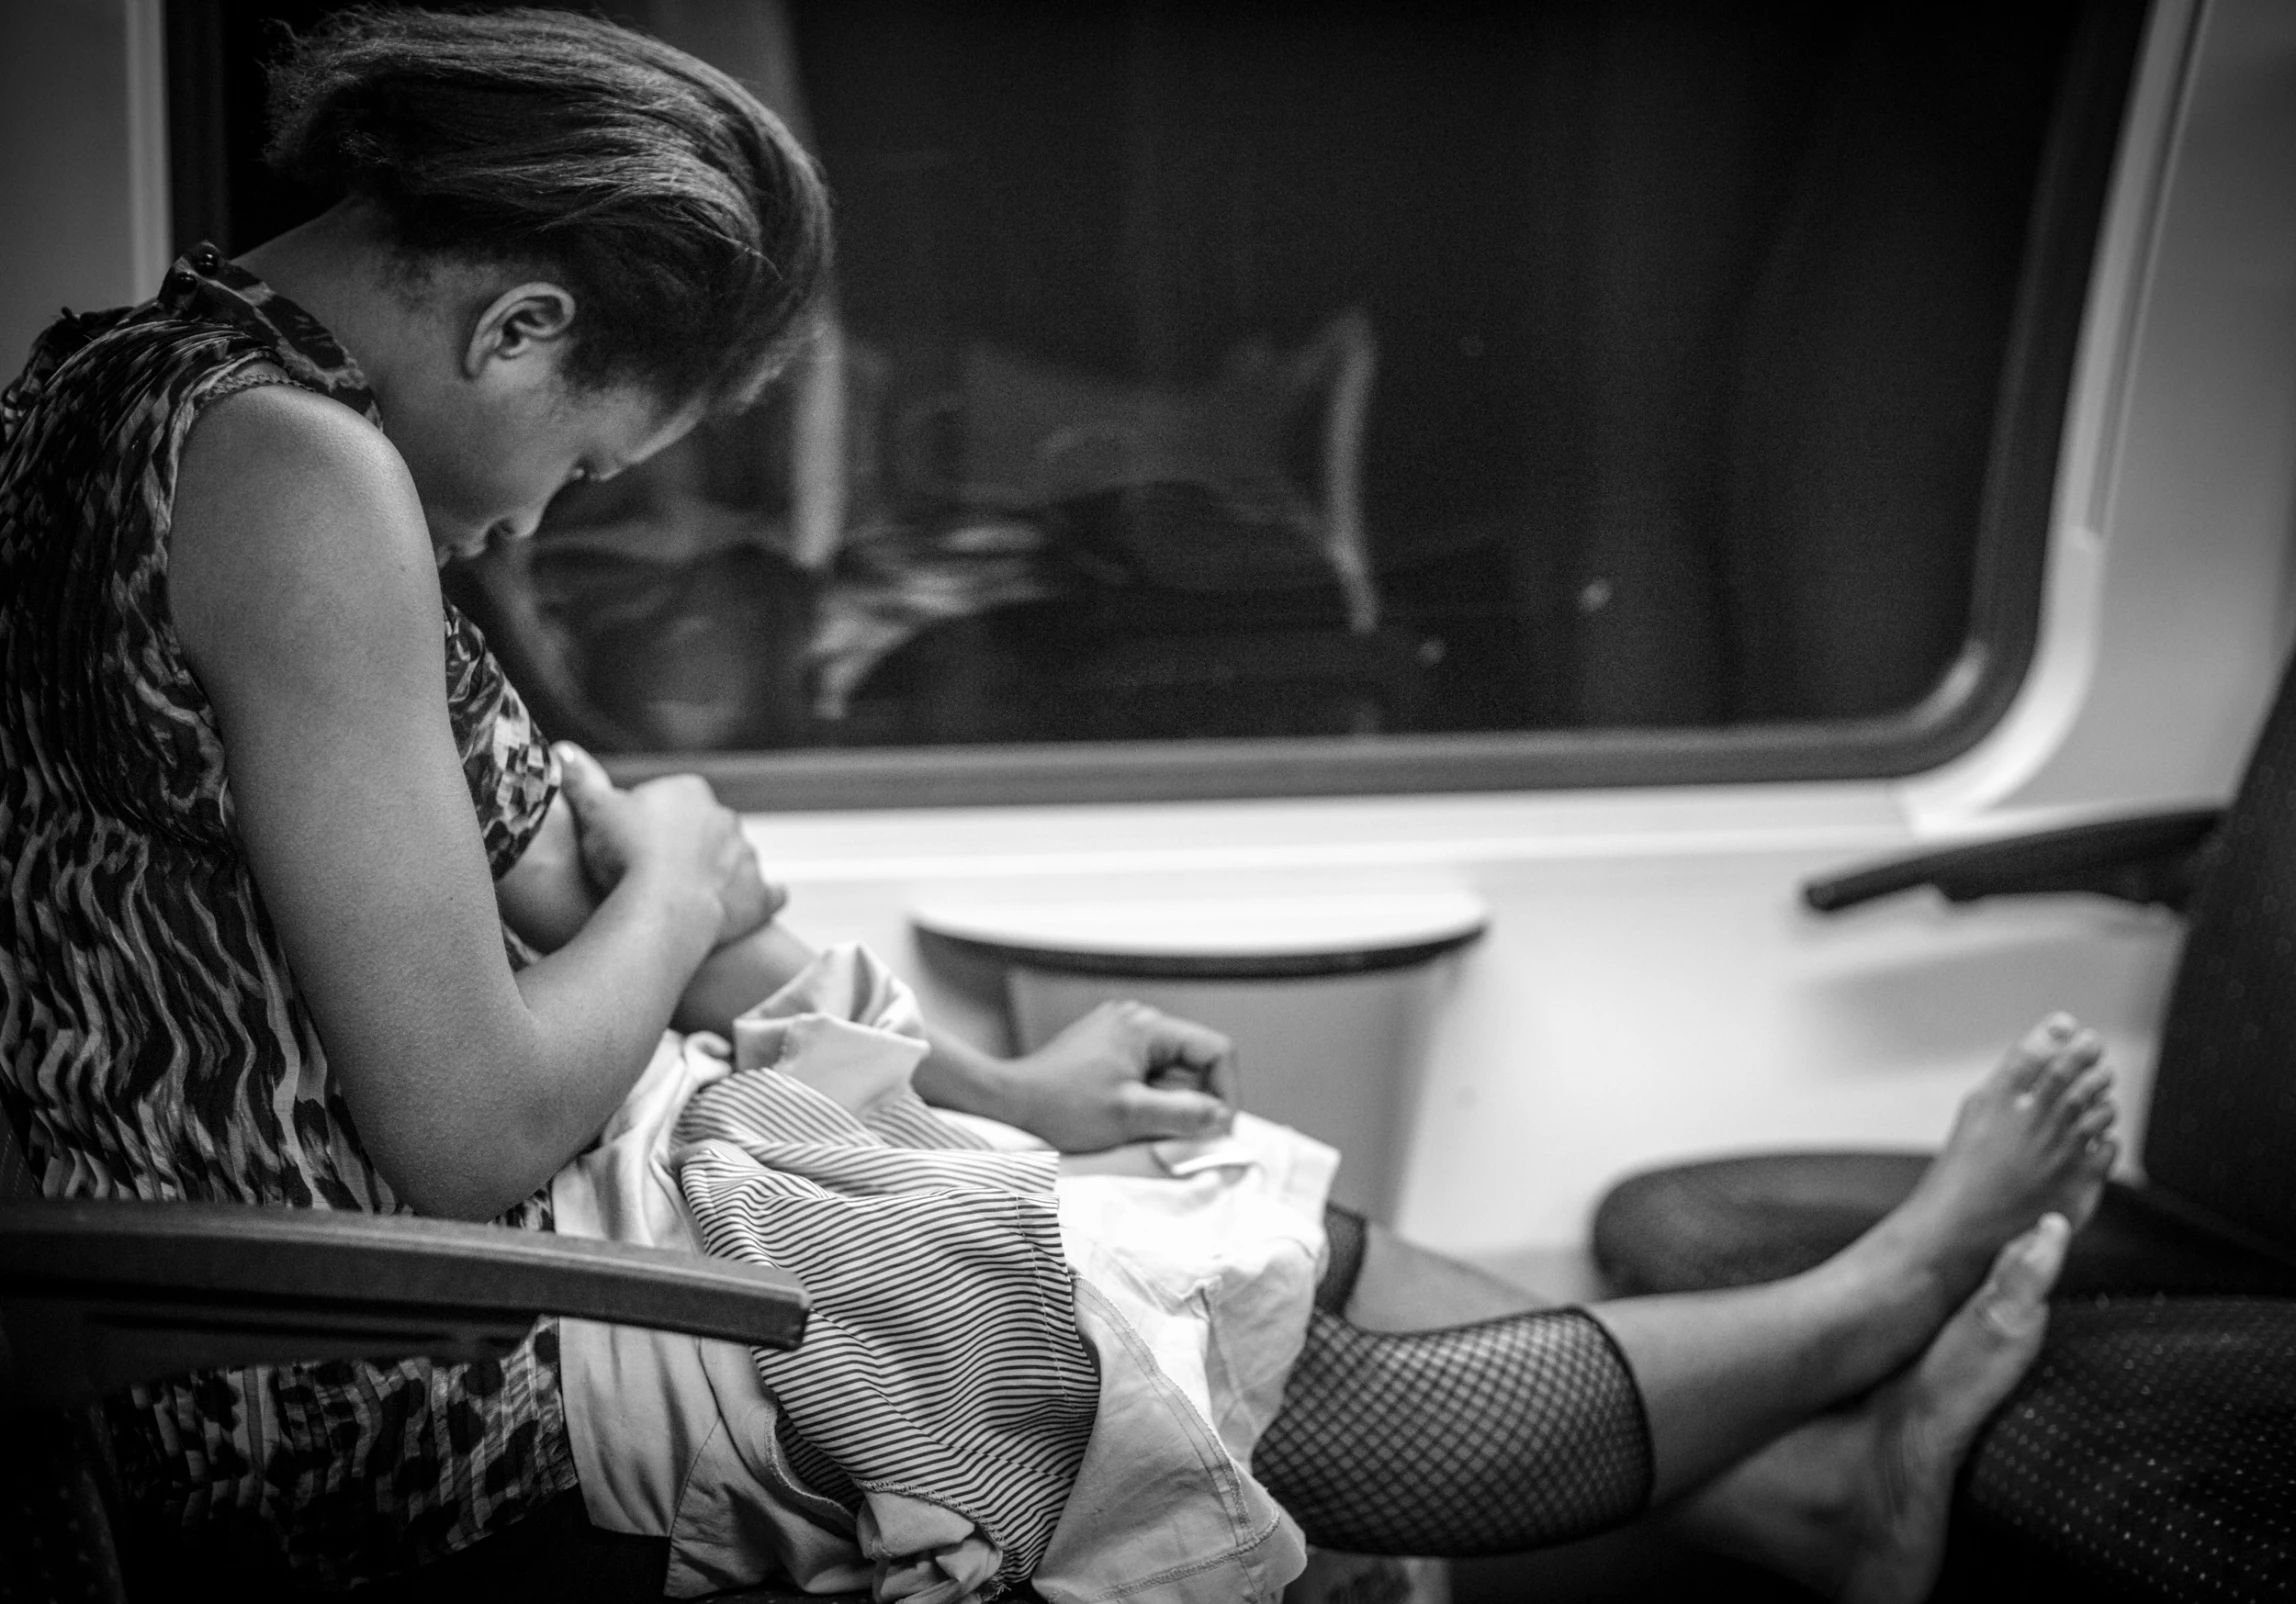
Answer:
x=2094 y=1085
x=2066 y=1068
x=2036 y=1050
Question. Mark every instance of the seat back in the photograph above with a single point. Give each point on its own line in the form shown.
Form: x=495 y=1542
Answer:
x=16 y=1183
x=57 y=1491
x=2221 y=1137
x=16 y=1186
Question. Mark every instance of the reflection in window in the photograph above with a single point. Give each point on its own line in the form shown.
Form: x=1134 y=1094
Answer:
x=1298 y=370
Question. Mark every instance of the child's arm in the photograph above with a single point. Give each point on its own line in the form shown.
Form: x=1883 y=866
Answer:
x=1123 y=1073
x=1087 y=1089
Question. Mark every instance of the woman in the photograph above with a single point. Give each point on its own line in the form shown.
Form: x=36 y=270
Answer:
x=303 y=911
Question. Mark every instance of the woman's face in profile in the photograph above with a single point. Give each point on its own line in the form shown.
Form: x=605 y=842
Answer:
x=481 y=407
x=487 y=460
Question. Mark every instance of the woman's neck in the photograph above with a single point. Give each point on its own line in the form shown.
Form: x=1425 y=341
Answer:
x=342 y=269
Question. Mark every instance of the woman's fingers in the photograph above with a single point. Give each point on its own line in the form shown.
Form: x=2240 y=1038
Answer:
x=600 y=830
x=583 y=776
x=674 y=825
x=749 y=898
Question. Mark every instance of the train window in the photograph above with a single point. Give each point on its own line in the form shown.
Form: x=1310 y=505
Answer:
x=1295 y=398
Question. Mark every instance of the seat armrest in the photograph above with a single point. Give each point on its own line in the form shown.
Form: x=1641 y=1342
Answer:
x=96 y=1295
x=2147 y=858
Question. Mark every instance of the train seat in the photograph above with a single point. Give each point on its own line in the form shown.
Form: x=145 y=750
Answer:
x=2151 y=1453
x=97 y=1295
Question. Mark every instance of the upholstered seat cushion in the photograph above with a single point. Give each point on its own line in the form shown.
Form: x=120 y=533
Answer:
x=2151 y=1452
x=1735 y=1221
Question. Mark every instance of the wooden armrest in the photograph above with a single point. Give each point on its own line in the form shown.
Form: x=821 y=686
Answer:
x=2148 y=858
x=96 y=1295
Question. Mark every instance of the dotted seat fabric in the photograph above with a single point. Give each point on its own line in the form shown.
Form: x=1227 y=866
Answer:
x=2152 y=1449
x=55 y=1532
x=2151 y=1452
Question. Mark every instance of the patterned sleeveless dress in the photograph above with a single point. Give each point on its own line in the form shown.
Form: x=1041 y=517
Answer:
x=154 y=1043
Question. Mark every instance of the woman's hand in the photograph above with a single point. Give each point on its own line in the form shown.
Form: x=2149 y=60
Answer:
x=1122 y=1073
x=673 y=828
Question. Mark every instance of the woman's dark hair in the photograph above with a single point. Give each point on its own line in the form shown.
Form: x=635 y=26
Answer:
x=691 y=228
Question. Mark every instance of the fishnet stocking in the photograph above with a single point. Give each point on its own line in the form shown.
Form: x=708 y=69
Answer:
x=1489 y=1438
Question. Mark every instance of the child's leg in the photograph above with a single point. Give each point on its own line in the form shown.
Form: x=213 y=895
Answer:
x=1564 y=1421
x=1524 y=1430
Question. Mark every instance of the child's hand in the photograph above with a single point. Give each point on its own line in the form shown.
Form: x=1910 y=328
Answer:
x=1123 y=1073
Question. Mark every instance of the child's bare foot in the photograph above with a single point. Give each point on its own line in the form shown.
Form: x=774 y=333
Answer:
x=1919 y=1427
x=1853 y=1504
x=2034 y=1137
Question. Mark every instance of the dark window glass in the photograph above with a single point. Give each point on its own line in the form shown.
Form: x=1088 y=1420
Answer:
x=1387 y=396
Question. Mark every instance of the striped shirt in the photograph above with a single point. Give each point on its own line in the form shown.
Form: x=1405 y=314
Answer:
x=943 y=1362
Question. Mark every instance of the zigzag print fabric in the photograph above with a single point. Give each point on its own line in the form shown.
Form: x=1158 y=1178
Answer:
x=154 y=1043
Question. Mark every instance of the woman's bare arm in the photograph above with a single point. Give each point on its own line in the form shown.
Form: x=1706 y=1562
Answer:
x=305 y=593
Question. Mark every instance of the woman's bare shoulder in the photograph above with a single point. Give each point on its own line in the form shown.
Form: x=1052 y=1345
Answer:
x=296 y=534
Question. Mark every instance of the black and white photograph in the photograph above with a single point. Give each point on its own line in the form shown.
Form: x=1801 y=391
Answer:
x=1147 y=801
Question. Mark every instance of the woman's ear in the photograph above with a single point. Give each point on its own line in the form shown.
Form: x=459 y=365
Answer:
x=523 y=321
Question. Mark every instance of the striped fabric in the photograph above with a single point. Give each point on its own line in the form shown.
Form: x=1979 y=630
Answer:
x=943 y=1360
x=153 y=1042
